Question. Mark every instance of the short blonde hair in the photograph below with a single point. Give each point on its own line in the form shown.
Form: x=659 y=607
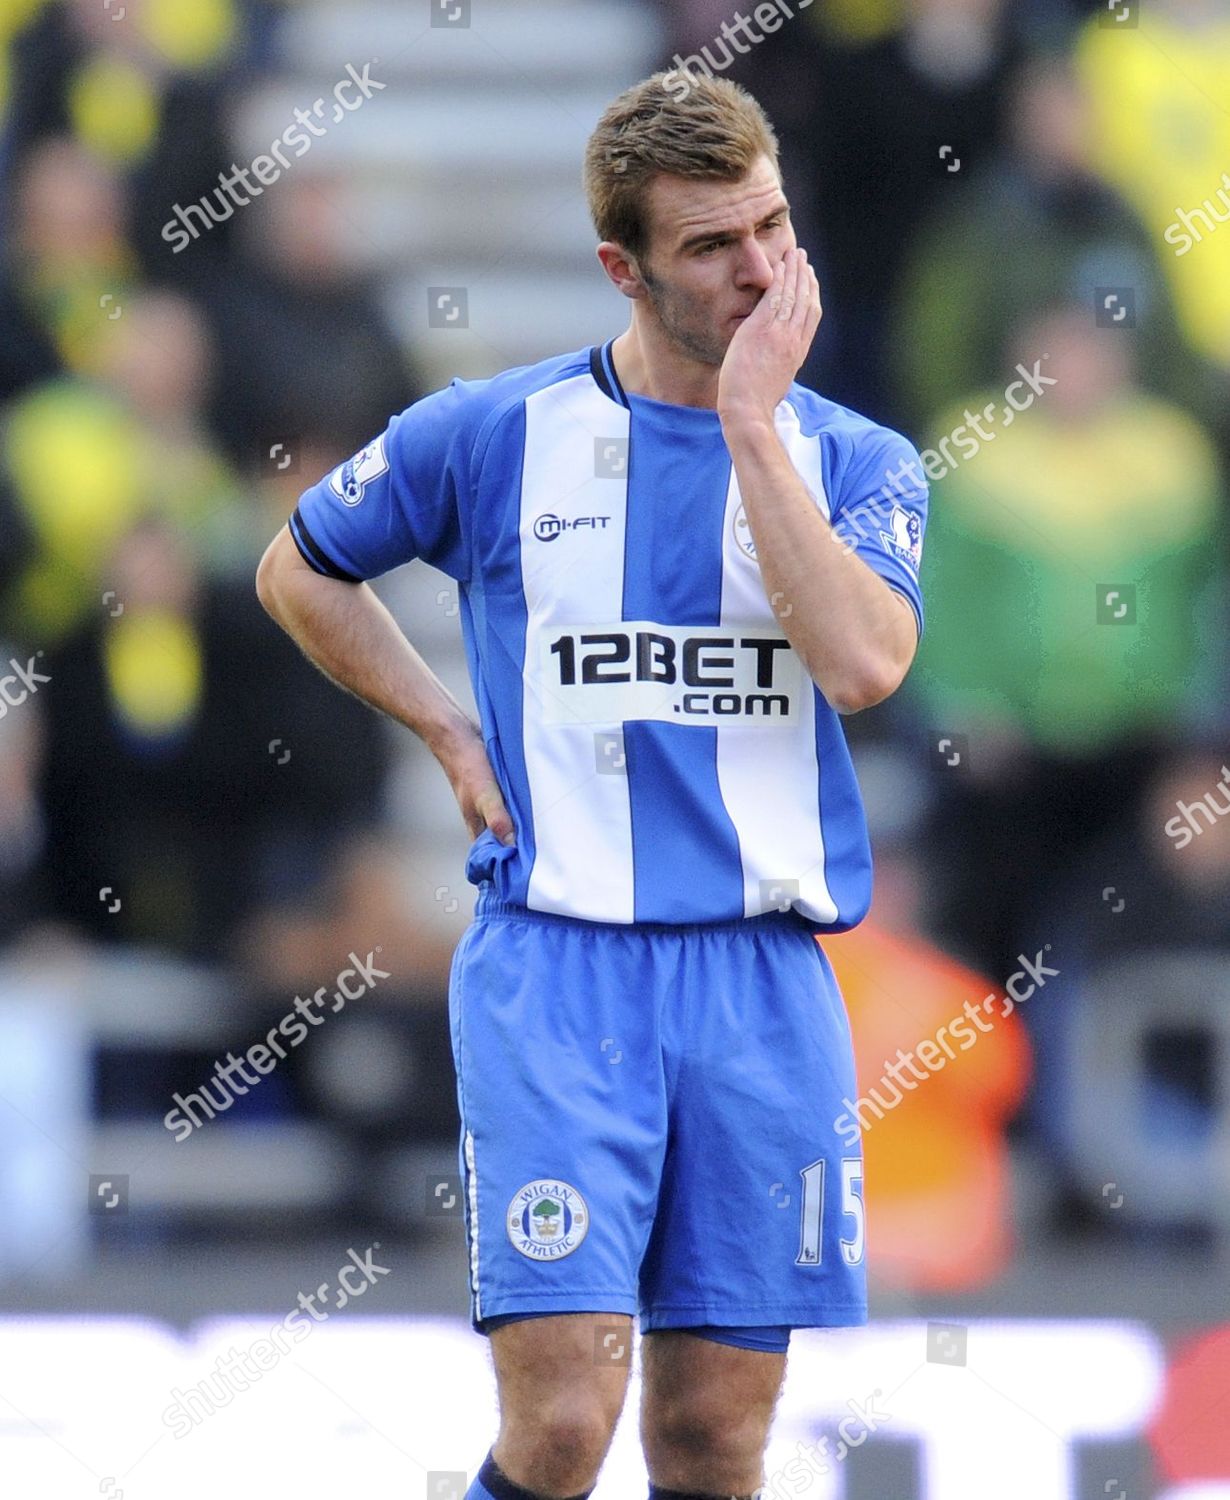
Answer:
x=681 y=123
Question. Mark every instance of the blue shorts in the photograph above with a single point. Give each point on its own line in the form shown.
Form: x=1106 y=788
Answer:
x=648 y=1123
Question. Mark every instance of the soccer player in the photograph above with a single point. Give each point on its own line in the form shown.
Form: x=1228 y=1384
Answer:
x=677 y=567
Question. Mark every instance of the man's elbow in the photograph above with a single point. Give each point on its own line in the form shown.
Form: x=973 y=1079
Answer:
x=857 y=697
x=875 y=682
x=265 y=588
x=879 y=671
x=272 y=569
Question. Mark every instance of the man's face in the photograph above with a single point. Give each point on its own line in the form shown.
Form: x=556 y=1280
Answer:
x=713 y=247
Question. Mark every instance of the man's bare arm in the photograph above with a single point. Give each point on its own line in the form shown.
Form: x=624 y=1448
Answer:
x=855 y=635
x=354 y=640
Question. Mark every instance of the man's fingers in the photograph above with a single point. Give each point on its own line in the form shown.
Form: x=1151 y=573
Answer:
x=799 y=284
x=772 y=344
x=803 y=289
x=787 y=294
x=770 y=302
x=490 y=802
x=814 y=309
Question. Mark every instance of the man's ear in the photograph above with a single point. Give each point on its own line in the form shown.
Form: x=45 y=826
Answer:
x=621 y=269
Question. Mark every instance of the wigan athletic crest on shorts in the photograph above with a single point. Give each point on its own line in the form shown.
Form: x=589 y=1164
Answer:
x=547 y=1220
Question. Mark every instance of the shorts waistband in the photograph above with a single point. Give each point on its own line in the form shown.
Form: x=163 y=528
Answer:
x=490 y=906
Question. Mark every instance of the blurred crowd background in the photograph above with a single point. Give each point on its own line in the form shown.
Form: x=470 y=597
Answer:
x=195 y=827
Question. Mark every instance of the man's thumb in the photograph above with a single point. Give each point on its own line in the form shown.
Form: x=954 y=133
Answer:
x=491 y=804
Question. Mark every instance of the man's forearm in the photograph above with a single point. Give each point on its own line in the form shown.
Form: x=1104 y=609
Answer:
x=855 y=636
x=350 y=635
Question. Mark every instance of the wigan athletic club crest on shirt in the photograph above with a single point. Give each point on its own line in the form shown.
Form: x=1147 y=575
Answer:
x=547 y=1220
x=743 y=534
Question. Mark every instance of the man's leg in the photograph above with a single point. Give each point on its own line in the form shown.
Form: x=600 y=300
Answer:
x=562 y=1386
x=705 y=1412
x=560 y=1156
x=759 y=1219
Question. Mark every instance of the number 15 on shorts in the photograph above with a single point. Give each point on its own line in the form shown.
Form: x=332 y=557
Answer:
x=811 y=1233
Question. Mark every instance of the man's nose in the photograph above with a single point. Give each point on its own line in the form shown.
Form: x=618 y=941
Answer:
x=755 y=267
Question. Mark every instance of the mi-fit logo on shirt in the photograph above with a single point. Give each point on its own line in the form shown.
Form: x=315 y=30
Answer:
x=548 y=528
x=675 y=674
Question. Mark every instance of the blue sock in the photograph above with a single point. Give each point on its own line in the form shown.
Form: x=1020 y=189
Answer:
x=491 y=1483
x=657 y=1493
x=478 y=1490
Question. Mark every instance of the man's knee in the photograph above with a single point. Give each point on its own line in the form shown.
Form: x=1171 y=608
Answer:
x=571 y=1425
x=565 y=1437
x=558 y=1403
x=700 y=1425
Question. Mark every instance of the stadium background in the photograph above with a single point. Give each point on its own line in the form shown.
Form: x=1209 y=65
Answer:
x=196 y=829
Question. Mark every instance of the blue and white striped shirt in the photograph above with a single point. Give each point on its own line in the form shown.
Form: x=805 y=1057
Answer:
x=661 y=749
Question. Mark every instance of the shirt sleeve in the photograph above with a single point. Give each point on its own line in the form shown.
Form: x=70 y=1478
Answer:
x=881 y=513
x=405 y=495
